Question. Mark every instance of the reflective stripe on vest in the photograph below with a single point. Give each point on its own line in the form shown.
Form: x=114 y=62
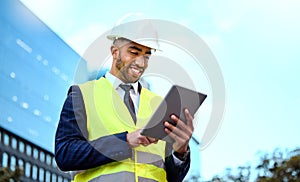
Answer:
x=147 y=163
x=148 y=158
x=124 y=176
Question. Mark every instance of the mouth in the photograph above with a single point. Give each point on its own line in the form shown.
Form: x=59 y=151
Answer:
x=136 y=72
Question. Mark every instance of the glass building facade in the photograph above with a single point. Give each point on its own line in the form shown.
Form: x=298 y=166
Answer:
x=36 y=70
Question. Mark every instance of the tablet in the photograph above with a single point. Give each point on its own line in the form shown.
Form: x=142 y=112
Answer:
x=177 y=99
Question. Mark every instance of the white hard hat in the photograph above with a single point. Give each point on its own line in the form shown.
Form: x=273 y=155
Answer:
x=141 y=31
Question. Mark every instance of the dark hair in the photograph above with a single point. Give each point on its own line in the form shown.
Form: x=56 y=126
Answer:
x=121 y=41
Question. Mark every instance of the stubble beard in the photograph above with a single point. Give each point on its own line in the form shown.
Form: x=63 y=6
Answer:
x=124 y=71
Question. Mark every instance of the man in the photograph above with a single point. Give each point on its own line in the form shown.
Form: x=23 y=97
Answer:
x=98 y=136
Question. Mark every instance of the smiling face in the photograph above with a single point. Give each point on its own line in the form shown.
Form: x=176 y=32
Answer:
x=130 y=60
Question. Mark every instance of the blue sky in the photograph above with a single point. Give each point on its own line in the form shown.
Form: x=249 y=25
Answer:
x=255 y=43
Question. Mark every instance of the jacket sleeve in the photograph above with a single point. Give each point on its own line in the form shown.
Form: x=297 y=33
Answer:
x=175 y=173
x=73 y=150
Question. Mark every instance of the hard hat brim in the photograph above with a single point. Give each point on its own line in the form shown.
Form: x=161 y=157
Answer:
x=147 y=42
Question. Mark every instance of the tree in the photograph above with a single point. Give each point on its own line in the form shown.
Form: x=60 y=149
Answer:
x=276 y=167
x=280 y=167
x=6 y=175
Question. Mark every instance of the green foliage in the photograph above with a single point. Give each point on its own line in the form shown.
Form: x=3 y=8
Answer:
x=276 y=167
x=6 y=175
x=242 y=174
x=280 y=167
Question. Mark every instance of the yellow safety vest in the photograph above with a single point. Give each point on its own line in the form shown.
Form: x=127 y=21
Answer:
x=107 y=115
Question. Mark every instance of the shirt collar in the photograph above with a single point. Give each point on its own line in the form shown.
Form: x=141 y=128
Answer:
x=116 y=82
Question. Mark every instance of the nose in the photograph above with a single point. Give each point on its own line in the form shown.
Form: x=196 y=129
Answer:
x=140 y=61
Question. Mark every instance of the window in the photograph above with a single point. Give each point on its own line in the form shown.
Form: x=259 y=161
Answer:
x=4 y=159
x=41 y=175
x=21 y=163
x=54 y=177
x=48 y=176
x=27 y=169
x=34 y=172
x=48 y=159
x=28 y=150
x=21 y=146
x=13 y=163
x=35 y=153
x=1 y=134
x=14 y=143
x=6 y=139
x=42 y=156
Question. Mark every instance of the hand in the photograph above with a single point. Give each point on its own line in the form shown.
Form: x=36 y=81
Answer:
x=135 y=139
x=181 y=133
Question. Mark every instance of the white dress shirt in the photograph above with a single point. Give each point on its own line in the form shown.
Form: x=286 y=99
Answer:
x=134 y=93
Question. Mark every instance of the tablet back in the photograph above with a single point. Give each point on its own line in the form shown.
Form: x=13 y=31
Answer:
x=176 y=100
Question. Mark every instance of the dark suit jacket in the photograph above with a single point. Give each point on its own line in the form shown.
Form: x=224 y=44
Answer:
x=73 y=151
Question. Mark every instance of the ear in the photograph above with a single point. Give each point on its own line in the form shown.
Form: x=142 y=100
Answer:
x=114 y=52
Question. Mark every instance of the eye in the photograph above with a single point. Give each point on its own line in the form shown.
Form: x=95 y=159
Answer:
x=147 y=57
x=134 y=53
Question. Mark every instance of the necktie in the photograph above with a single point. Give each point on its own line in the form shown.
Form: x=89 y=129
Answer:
x=128 y=101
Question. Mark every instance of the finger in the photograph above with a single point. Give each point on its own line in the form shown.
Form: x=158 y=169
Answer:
x=180 y=144
x=180 y=124
x=178 y=121
x=145 y=144
x=152 y=140
x=169 y=125
x=178 y=132
x=174 y=136
x=189 y=119
x=175 y=118
x=174 y=129
x=143 y=140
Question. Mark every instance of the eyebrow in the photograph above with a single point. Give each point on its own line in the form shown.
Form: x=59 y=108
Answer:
x=139 y=49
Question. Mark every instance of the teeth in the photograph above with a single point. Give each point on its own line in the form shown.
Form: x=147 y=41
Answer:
x=135 y=71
